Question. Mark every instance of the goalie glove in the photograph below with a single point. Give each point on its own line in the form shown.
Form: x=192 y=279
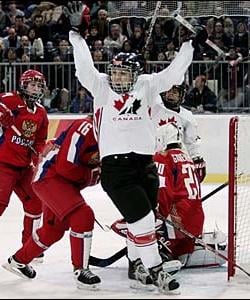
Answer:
x=200 y=167
x=78 y=14
x=6 y=116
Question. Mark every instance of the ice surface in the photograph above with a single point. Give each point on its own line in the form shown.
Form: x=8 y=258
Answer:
x=55 y=278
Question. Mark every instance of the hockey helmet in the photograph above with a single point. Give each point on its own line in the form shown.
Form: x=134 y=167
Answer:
x=166 y=135
x=173 y=98
x=124 y=70
x=32 y=76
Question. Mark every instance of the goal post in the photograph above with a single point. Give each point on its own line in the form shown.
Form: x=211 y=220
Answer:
x=239 y=195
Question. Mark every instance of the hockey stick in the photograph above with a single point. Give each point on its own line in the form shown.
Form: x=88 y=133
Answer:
x=103 y=227
x=205 y=245
x=13 y=127
x=220 y=187
x=185 y=23
x=152 y=23
x=104 y=262
x=214 y=191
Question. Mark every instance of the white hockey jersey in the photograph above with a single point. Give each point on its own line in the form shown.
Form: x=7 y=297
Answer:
x=185 y=121
x=123 y=122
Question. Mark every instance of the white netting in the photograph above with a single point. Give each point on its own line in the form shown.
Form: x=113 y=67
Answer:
x=242 y=197
x=146 y=9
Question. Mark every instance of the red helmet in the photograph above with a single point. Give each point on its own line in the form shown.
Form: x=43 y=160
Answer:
x=29 y=76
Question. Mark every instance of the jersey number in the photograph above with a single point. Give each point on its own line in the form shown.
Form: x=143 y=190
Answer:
x=84 y=128
x=191 y=182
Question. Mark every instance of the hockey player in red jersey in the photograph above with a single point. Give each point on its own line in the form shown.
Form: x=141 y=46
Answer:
x=59 y=179
x=179 y=193
x=21 y=110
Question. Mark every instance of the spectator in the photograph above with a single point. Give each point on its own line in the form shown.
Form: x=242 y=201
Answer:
x=200 y=98
x=12 y=12
x=219 y=37
x=115 y=41
x=21 y=28
x=229 y=29
x=40 y=28
x=93 y=36
x=3 y=18
x=37 y=47
x=159 y=38
x=25 y=47
x=65 y=51
x=170 y=53
x=241 y=39
x=82 y=102
x=137 y=38
x=101 y=23
x=12 y=40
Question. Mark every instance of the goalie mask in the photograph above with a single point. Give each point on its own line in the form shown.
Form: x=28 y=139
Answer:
x=31 y=87
x=173 y=98
x=123 y=71
x=168 y=136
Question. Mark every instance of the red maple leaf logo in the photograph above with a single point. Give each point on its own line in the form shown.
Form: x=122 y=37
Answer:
x=169 y=120
x=172 y=120
x=162 y=122
x=121 y=102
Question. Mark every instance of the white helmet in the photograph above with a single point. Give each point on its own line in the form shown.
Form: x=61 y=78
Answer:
x=167 y=134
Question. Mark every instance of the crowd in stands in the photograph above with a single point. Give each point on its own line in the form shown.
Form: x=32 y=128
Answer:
x=37 y=32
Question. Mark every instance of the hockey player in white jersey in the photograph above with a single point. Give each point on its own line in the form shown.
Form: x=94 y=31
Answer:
x=125 y=132
x=167 y=109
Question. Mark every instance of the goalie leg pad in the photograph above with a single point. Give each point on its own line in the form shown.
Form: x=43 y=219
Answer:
x=203 y=257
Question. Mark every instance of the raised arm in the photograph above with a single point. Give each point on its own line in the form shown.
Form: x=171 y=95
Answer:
x=86 y=72
x=174 y=73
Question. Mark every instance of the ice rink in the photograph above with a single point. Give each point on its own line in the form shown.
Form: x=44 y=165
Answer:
x=55 y=277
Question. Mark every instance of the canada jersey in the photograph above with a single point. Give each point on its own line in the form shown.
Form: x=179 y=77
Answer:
x=178 y=180
x=123 y=122
x=72 y=159
x=33 y=125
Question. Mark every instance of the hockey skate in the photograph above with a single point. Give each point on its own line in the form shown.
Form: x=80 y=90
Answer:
x=39 y=259
x=139 y=276
x=21 y=270
x=85 y=279
x=165 y=282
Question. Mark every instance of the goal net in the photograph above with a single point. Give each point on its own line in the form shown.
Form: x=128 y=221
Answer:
x=145 y=9
x=239 y=195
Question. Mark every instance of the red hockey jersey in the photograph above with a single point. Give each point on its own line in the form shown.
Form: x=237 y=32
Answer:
x=75 y=159
x=33 y=125
x=178 y=180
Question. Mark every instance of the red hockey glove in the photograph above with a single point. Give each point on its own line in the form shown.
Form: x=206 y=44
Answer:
x=6 y=116
x=200 y=167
